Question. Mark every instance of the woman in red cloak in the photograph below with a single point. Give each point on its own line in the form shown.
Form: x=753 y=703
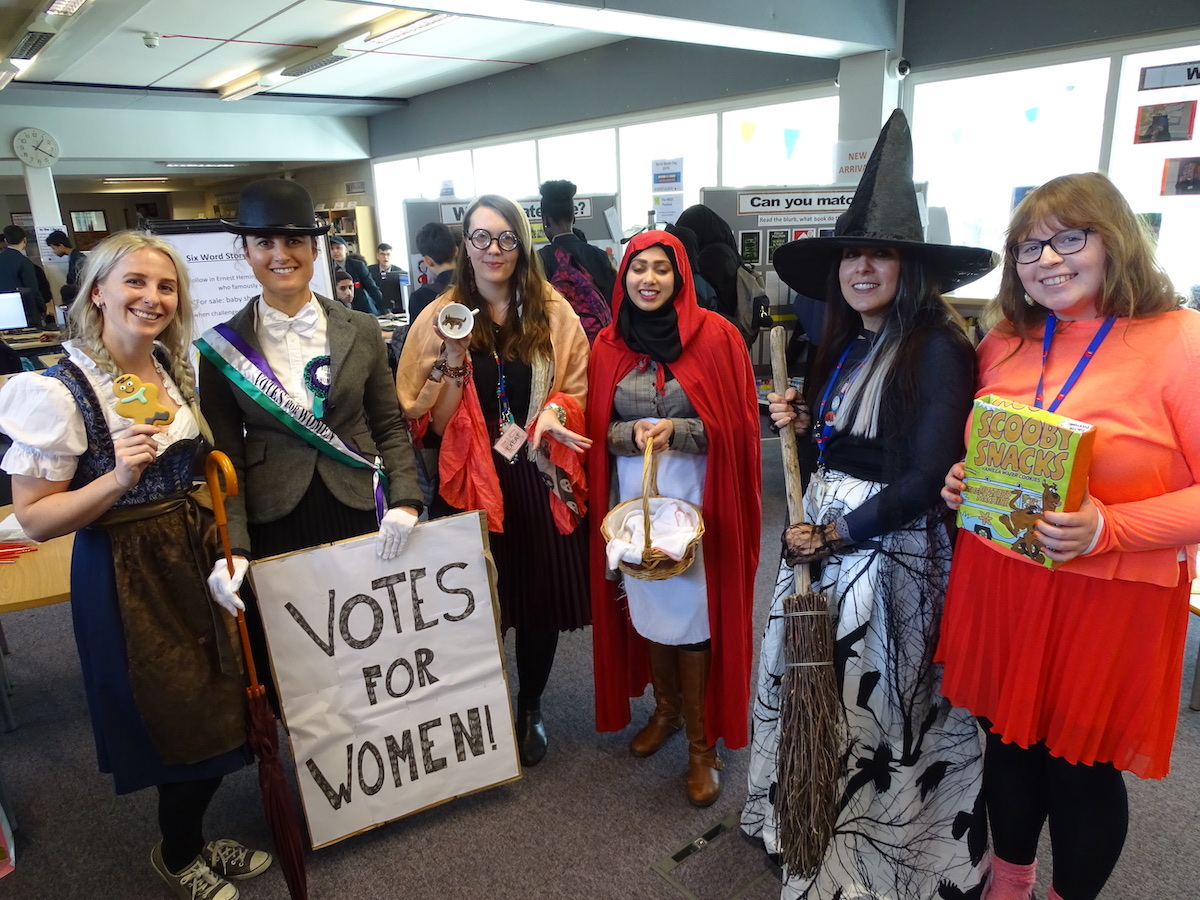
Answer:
x=667 y=369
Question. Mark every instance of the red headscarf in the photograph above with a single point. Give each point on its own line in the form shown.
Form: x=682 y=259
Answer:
x=714 y=371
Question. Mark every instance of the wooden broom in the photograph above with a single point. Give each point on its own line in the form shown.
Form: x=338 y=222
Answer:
x=810 y=719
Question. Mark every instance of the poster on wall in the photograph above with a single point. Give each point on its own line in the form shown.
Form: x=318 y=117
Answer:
x=390 y=674
x=1165 y=122
x=750 y=245
x=221 y=279
x=1181 y=176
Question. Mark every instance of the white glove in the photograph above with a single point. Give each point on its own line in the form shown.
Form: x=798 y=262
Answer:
x=394 y=529
x=223 y=586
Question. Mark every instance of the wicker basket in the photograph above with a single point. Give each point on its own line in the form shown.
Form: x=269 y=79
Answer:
x=655 y=565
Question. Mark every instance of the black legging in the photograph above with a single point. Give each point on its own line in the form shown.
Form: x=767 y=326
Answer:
x=181 y=808
x=535 y=657
x=1086 y=805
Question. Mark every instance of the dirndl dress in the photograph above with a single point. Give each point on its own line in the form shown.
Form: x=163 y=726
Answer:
x=910 y=823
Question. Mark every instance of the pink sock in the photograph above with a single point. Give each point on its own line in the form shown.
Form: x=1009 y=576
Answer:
x=1053 y=895
x=1009 y=881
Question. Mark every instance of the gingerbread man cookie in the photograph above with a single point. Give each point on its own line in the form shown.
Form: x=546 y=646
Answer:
x=139 y=401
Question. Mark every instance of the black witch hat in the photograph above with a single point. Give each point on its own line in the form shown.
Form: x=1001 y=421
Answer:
x=883 y=213
x=275 y=206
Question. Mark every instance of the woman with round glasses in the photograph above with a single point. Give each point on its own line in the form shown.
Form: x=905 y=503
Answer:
x=505 y=404
x=1075 y=671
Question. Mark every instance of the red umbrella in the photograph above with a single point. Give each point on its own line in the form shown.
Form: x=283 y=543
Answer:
x=261 y=732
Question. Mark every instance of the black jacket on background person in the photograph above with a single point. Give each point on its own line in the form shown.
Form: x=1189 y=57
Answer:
x=18 y=273
x=367 y=296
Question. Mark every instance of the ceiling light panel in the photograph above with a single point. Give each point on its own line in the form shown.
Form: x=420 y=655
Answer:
x=64 y=7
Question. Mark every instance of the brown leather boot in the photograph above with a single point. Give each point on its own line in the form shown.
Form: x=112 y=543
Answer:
x=704 y=766
x=667 y=717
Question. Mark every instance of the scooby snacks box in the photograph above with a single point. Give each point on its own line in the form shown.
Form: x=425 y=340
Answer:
x=1022 y=461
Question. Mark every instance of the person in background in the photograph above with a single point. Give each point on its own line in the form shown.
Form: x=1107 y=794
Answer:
x=889 y=393
x=668 y=370
x=558 y=221
x=718 y=259
x=290 y=358
x=161 y=664
x=367 y=296
x=343 y=286
x=438 y=250
x=18 y=273
x=1075 y=672
x=706 y=296
x=387 y=277
x=520 y=376
x=60 y=245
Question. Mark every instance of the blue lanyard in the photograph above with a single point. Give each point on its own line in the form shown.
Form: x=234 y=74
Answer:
x=825 y=420
x=506 y=416
x=1047 y=338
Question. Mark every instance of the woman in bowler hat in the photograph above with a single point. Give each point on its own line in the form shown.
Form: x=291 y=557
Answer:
x=291 y=354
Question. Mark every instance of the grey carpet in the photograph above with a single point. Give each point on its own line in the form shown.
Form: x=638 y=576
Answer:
x=589 y=822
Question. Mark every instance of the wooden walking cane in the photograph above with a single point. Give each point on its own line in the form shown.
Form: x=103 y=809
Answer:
x=810 y=733
x=261 y=732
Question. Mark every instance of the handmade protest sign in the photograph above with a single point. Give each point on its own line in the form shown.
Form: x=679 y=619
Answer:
x=390 y=674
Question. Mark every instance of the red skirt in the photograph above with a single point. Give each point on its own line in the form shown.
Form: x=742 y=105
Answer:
x=1090 y=666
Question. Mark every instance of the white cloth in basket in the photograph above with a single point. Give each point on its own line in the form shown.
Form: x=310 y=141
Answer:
x=675 y=610
x=672 y=528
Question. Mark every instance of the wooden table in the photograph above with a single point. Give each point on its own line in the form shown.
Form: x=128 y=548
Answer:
x=35 y=579
x=38 y=578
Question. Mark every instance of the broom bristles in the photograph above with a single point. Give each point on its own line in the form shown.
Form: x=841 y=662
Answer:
x=810 y=745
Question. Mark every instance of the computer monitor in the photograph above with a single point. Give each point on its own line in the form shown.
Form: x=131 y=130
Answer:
x=12 y=311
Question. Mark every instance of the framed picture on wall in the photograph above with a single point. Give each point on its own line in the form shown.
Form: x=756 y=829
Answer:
x=1181 y=176
x=88 y=220
x=1165 y=122
x=751 y=246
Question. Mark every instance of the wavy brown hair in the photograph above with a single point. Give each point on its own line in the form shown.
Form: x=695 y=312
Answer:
x=1134 y=285
x=526 y=333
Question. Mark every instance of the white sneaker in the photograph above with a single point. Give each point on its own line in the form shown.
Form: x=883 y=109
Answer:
x=196 y=882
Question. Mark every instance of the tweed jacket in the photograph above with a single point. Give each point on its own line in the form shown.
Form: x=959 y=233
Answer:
x=274 y=466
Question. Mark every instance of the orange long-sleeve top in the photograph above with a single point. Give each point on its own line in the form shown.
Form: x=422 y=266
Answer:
x=1140 y=391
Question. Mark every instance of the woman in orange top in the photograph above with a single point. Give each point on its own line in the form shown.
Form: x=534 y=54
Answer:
x=1075 y=671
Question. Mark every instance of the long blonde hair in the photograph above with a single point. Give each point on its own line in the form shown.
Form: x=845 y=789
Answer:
x=85 y=321
x=1134 y=285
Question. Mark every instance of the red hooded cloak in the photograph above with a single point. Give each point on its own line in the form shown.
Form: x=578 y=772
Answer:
x=714 y=371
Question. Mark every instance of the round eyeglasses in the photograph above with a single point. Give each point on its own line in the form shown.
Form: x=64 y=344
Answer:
x=481 y=239
x=1064 y=244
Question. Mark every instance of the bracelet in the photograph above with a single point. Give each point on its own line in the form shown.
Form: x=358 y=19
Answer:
x=458 y=374
x=558 y=411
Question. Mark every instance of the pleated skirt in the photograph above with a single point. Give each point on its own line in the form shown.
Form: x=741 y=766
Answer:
x=1090 y=666
x=541 y=574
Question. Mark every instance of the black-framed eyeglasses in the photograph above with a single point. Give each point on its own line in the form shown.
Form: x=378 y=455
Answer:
x=1064 y=244
x=481 y=239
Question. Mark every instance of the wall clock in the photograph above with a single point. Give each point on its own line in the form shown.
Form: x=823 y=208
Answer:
x=35 y=147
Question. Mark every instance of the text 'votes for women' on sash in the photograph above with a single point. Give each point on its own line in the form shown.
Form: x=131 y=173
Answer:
x=390 y=674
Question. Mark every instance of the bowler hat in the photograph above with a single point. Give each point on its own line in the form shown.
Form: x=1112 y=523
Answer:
x=883 y=213
x=275 y=206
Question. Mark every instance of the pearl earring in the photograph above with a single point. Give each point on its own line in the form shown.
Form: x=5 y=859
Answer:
x=1028 y=300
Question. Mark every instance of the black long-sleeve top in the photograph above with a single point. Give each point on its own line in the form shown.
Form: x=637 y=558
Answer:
x=910 y=458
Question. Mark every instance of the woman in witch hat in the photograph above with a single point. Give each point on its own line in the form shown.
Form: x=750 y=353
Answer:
x=1075 y=672
x=888 y=397
x=161 y=664
x=299 y=394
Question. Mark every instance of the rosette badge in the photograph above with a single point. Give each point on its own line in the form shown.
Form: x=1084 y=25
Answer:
x=455 y=320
